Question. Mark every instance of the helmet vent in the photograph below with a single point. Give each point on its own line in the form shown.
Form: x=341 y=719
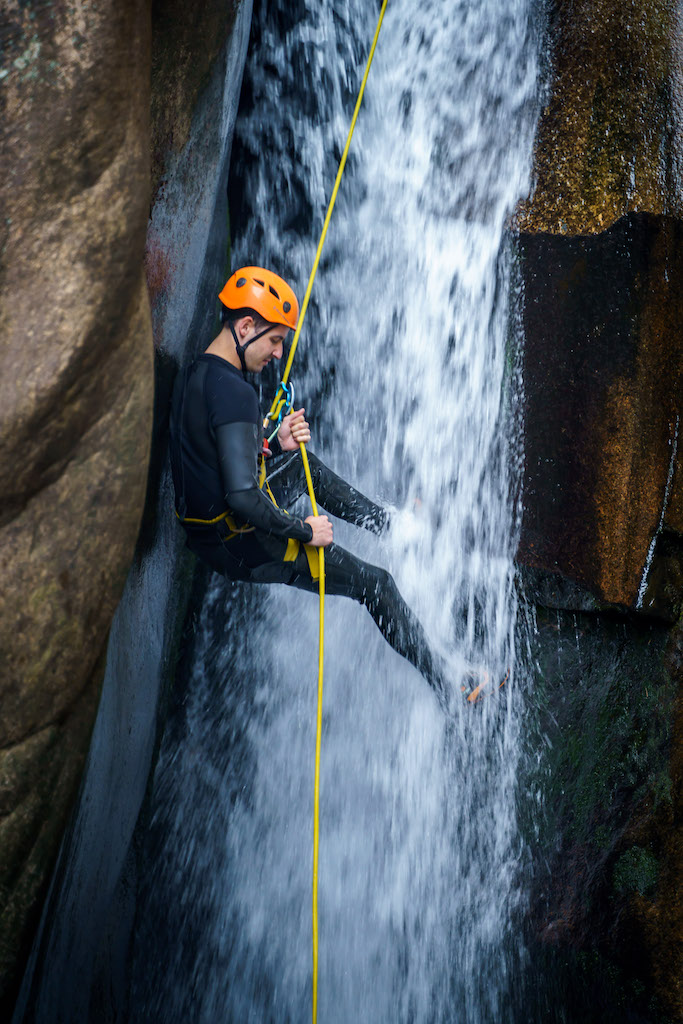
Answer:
x=241 y=283
x=286 y=306
x=272 y=291
x=262 y=283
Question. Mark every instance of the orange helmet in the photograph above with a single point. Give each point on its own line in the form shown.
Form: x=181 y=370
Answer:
x=263 y=291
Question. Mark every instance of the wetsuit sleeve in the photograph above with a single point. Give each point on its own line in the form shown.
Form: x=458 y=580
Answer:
x=238 y=445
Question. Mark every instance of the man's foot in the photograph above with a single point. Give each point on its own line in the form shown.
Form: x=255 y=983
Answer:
x=479 y=683
x=476 y=682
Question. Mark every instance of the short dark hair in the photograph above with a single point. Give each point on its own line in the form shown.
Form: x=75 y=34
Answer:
x=230 y=315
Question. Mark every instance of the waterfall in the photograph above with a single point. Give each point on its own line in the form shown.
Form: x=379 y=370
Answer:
x=406 y=368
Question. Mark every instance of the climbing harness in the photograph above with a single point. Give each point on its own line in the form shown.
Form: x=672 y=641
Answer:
x=224 y=517
x=275 y=415
x=293 y=546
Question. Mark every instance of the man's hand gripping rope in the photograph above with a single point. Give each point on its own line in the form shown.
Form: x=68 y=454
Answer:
x=294 y=432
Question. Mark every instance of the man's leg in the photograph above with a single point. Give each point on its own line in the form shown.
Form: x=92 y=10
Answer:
x=257 y=558
x=374 y=587
x=288 y=482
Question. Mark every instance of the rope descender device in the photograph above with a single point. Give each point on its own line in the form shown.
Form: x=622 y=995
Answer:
x=284 y=394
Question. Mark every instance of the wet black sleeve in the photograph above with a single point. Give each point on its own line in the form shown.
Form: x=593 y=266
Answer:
x=238 y=445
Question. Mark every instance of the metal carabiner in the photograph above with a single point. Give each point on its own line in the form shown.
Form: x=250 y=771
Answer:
x=284 y=406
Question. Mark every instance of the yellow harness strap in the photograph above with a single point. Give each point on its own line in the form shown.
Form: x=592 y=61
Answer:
x=293 y=546
x=223 y=517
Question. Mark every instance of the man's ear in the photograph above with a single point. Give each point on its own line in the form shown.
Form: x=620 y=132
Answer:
x=244 y=325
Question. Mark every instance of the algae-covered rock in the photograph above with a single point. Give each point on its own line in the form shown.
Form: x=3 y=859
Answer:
x=607 y=888
x=609 y=138
x=75 y=403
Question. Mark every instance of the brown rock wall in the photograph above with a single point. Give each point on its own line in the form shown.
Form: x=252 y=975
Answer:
x=601 y=266
x=75 y=402
x=38 y=778
x=603 y=369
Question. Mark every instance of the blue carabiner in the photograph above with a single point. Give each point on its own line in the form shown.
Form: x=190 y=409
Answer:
x=286 y=408
x=288 y=390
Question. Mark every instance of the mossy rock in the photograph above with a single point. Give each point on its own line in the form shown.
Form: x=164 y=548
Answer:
x=607 y=713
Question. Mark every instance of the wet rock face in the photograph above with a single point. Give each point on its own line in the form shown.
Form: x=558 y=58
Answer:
x=603 y=369
x=600 y=243
x=75 y=403
x=601 y=270
x=606 y=891
x=186 y=40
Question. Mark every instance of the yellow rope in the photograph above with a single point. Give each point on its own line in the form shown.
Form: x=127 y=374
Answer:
x=318 y=734
x=330 y=208
x=274 y=410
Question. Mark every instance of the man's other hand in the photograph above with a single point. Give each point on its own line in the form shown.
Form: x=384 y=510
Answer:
x=294 y=431
x=322 y=531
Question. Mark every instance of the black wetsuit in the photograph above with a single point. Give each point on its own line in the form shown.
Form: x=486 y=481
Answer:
x=216 y=438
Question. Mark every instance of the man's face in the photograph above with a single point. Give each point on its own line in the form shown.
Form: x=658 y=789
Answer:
x=270 y=346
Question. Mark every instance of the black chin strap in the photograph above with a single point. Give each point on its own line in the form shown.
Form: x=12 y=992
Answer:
x=241 y=349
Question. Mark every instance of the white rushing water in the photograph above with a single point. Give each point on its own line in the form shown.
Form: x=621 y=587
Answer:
x=402 y=368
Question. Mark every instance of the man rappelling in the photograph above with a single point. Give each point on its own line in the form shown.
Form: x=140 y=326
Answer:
x=233 y=488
